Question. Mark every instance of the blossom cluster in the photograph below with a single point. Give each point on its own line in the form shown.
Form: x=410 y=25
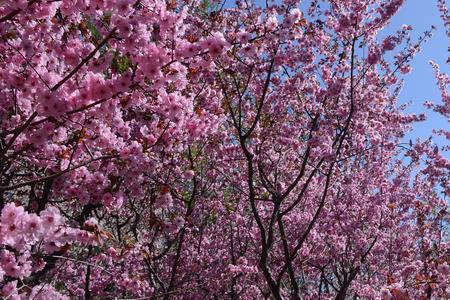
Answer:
x=26 y=237
x=194 y=150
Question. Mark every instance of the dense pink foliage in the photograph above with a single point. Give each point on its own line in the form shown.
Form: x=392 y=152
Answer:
x=184 y=150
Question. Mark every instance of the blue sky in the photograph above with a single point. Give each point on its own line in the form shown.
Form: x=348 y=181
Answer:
x=420 y=84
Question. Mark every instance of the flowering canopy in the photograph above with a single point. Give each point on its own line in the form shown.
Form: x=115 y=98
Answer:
x=185 y=150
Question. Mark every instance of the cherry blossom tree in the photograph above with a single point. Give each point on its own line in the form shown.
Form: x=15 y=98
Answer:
x=200 y=150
